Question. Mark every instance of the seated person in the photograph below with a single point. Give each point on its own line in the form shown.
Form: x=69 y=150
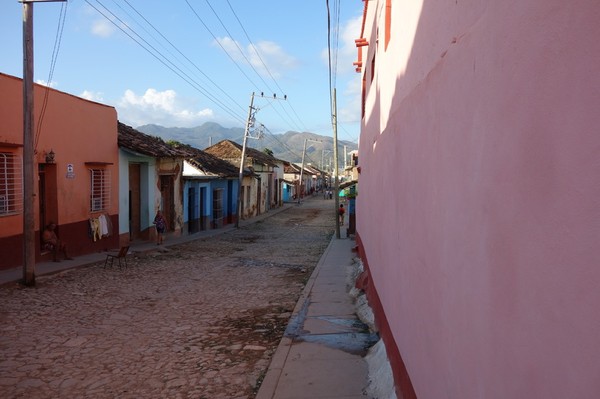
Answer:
x=52 y=243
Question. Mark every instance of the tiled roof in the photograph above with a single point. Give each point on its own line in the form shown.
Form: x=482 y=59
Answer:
x=229 y=150
x=209 y=163
x=142 y=143
x=291 y=168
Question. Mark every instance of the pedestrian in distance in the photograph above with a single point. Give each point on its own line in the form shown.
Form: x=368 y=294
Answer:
x=52 y=243
x=161 y=225
x=341 y=212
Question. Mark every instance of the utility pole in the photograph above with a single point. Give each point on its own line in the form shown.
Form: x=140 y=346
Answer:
x=335 y=164
x=302 y=168
x=302 y=173
x=345 y=157
x=28 y=145
x=249 y=123
x=28 y=180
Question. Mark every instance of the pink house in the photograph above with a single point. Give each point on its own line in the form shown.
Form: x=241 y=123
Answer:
x=478 y=218
x=76 y=170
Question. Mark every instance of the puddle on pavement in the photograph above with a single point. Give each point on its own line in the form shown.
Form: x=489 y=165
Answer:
x=356 y=342
x=353 y=343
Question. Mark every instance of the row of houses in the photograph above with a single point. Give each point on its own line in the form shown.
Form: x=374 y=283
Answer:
x=102 y=181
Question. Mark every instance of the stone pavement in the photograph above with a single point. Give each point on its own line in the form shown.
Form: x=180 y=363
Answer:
x=321 y=353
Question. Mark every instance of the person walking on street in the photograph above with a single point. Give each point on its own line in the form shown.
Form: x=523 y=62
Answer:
x=161 y=225
x=341 y=212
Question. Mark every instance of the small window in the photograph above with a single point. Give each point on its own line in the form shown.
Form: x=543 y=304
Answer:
x=100 y=190
x=11 y=184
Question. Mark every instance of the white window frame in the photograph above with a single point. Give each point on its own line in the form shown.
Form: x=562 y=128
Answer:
x=11 y=184
x=100 y=189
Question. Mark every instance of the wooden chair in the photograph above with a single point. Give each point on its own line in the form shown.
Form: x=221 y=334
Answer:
x=122 y=254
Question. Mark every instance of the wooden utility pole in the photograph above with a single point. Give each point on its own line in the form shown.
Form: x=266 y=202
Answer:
x=28 y=180
x=28 y=144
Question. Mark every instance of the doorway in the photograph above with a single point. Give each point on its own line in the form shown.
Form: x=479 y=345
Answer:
x=168 y=200
x=202 y=210
x=135 y=225
x=193 y=220
x=47 y=195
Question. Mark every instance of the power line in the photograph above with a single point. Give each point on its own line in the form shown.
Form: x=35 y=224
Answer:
x=238 y=46
x=162 y=59
x=266 y=67
x=185 y=57
x=220 y=45
x=57 y=41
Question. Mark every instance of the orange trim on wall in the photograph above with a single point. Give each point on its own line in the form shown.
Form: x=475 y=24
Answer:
x=388 y=22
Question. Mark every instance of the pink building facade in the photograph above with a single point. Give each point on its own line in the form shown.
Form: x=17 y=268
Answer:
x=75 y=167
x=478 y=218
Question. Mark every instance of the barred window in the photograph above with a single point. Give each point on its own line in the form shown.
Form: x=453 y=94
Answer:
x=100 y=190
x=11 y=184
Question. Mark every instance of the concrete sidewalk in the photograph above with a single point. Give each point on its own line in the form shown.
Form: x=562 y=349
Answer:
x=321 y=353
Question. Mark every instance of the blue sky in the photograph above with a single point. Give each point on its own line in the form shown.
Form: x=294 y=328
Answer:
x=287 y=50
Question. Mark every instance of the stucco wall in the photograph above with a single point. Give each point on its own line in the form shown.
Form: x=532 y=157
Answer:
x=82 y=134
x=148 y=189
x=479 y=211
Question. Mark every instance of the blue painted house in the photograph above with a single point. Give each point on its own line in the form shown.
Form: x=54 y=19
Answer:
x=209 y=192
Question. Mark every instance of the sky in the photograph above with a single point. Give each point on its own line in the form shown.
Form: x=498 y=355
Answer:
x=181 y=63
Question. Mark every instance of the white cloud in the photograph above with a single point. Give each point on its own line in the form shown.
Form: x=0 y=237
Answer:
x=92 y=96
x=351 y=111
x=347 y=51
x=261 y=54
x=273 y=56
x=102 y=28
x=44 y=83
x=160 y=107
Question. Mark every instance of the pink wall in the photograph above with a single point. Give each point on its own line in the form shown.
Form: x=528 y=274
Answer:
x=479 y=212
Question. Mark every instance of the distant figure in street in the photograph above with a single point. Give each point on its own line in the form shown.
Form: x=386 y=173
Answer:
x=341 y=212
x=52 y=243
x=161 y=225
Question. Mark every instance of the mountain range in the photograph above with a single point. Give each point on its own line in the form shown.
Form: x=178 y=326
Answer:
x=288 y=146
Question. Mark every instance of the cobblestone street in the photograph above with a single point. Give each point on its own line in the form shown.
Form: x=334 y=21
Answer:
x=197 y=320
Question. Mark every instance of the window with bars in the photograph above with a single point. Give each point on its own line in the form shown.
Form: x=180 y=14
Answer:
x=11 y=184
x=100 y=190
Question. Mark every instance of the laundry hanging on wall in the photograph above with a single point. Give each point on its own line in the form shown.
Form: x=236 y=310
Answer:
x=100 y=227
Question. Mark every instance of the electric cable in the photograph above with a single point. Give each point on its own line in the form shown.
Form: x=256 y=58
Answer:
x=220 y=45
x=164 y=60
x=57 y=42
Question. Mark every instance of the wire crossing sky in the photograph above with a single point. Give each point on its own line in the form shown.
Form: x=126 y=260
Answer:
x=182 y=63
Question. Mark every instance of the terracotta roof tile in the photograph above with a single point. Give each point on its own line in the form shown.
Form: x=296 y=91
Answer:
x=142 y=143
x=232 y=151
